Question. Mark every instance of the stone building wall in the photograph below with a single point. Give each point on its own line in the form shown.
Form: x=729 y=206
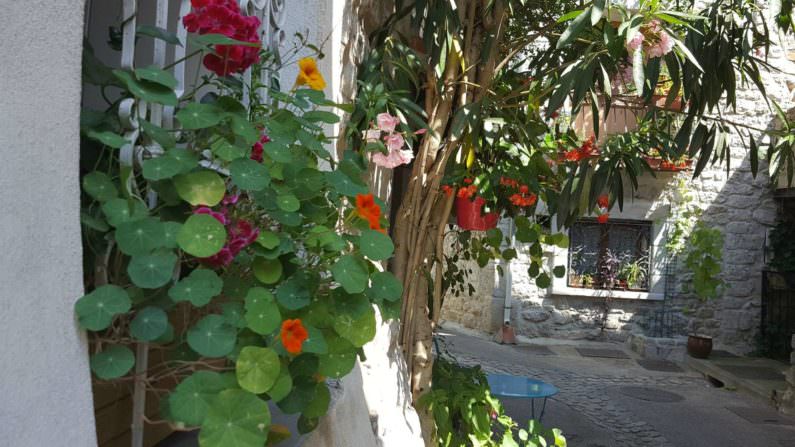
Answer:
x=740 y=206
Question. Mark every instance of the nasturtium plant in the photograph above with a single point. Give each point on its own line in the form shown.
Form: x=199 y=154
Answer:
x=232 y=244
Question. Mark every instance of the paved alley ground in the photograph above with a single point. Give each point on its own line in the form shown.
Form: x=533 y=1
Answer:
x=614 y=402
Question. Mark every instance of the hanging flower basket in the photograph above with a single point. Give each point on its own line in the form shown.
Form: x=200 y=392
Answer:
x=469 y=215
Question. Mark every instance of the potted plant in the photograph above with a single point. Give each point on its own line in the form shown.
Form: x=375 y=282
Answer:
x=635 y=273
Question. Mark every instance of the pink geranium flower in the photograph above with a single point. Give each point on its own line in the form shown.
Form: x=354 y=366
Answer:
x=394 y=141
x=393 y=159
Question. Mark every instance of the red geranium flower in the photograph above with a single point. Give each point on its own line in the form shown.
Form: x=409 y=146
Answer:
x=602 y=218
x=603 y=201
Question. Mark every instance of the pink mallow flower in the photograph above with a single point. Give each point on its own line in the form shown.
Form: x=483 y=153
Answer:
x=371 y=135
x=386 y=122
x=393 y=159
x=635 y=43
x=394 y=142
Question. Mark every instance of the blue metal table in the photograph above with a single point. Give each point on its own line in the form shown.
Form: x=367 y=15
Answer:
x=514 y=386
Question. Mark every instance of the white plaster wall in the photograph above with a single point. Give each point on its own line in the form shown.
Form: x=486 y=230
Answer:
x=45 y=387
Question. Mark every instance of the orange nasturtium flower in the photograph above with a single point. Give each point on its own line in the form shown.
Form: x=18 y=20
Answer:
x=293 y=335
x=367 y=209
x=309 y=75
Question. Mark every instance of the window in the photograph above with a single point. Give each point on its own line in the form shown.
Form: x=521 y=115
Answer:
x=615 y=255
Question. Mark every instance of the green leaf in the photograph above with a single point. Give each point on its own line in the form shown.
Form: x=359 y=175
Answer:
x=227 y=151
x=119 y=211
x=288 y=203
x=543 y=281
x=146 y=90
x=268 y=240
x=294 y=293
x=248 y=174
x=140 y=237
x=236 y=418
x=149 y=324
x=321 y=116
x=156 y=75
x=220 y=39
x=93 y=222
x=302 y=394
x=171 y=230
x=113 y=362
x=199 y=116
x=212 y=337
x=160 y=135
x=574 y=29
x=161 y=168
x=282 y=387
x=268 y=271
x=152 y=271
x=158 y=33
x=257 y=369
x=357 y=330
x=376 y=245
x=95 y=311
x=316 y=343
x=99 y=186
x=107 y=138
x=319 y=405
x=201 y=188
x=340 y=358
x=201 y=236
x=559 y=271
x=344 y=185
x=385 y=287
x=199 y=287
x=351 y=272
x=187 y=159
x=192 y=397
x=243 y=128
x=262 y=314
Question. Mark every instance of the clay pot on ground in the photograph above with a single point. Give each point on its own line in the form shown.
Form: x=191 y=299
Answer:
x=699 y=346
x=623 y=117
x=469 y=215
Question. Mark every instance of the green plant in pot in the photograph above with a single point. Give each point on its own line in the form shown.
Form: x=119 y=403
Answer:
x=635 y=273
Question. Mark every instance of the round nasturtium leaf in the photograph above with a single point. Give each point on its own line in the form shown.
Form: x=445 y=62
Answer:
x=171 y=230
x=149 y=324
x=282 y=387
x=357 y=330
x=212 y=336
x=268 y=240
x=294 y=293
x=99 y=186
x=192 y=397
x=236 y=418
x=302 y=394
x=288 y=203
x=200 y=188
x=187 y=159
x=199 y=287
x=96 y=310
x=340 y=359
x=306 y=425
x=257 y=369
x=113 y=362
x=319 y=404
x=199 y=116
x=233 y=314
x=351 y=272
x=152 y=271
x=201 y=236
x=249 y=175
x=140 y=237
x=161 y=168
x=376 y=245
x=316 y=343
x=384 y=286
x=269 y=271
x=262 y=314
x=119 y=211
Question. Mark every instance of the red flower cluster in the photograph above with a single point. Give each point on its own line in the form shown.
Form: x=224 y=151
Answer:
x=603 y=202
x=368 y=210
x=466 y=192
x=447 y=190
x=224 y=17
x=509 y=182
x=240 y=234
x=587 y=150
x=258 y=149
x=293 y=335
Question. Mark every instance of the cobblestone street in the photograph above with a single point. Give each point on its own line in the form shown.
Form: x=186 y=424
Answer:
x=606 y=402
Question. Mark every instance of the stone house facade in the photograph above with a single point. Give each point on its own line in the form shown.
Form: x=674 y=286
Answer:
x=740 y=206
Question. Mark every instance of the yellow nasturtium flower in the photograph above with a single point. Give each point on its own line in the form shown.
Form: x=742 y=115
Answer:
x=309 y=75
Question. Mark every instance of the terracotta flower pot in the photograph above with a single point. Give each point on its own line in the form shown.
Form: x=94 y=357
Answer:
x=654 y=162
x=660 y=100
x=469 y=215
x=698 y=346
